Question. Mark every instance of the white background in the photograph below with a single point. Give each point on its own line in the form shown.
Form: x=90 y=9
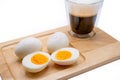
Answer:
x=19 y=18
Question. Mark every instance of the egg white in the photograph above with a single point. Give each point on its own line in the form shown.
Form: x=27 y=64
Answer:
x=75 y=55
x=31 y=67
x=56 y=41
x=26 y=46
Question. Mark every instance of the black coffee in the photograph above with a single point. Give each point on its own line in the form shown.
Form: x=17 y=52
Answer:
x=82 y=25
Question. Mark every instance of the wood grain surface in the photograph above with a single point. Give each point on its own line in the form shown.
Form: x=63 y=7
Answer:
x=95 y=52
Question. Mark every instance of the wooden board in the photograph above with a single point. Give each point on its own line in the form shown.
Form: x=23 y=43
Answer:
x=96 y=51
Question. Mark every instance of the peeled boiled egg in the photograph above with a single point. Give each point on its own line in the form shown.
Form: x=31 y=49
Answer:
x=65 y=56
x=36 y=61
x=56 y=41
x=26 y=46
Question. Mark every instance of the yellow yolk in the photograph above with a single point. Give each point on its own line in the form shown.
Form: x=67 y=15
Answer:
x=39 y=59
x=63 y=55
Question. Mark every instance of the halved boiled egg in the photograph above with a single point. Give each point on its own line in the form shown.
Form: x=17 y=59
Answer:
x=65 y=56
x=36 y=61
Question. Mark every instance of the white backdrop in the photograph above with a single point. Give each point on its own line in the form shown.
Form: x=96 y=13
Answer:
x=19 y=18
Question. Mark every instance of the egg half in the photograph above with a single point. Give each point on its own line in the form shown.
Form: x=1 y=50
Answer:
x=56 y=41
x=26 y=46
x=36 y=61
x=65 y=56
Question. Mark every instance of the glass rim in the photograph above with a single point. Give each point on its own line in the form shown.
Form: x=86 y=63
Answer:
x=85 y=3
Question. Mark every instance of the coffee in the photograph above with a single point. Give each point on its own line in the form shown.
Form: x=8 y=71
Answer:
x=82 y=16
x=82 y=24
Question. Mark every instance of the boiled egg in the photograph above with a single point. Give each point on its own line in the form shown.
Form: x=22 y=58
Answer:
x=36 y=61
x=65 y=56
x=56 y=41
x=27 y=45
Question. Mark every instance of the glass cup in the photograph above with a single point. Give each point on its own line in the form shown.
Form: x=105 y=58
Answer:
x=83 y=16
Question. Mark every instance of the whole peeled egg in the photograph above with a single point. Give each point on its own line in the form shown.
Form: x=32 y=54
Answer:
x=26 y=46
x=36 y=61
x=65 y=56
x=56 y=41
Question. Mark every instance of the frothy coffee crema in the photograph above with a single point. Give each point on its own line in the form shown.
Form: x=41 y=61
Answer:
x=81 y=22
x=85 y=1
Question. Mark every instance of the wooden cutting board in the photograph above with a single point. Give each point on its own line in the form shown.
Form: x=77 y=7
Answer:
x=95 y=51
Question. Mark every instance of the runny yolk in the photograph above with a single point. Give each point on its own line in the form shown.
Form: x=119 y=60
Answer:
x=39 y=59
x=63 y=55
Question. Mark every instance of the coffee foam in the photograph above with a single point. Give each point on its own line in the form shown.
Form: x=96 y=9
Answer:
x=85 y=1
x=83 y=11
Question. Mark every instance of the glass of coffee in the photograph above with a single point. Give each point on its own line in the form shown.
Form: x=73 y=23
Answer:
x=83 y=16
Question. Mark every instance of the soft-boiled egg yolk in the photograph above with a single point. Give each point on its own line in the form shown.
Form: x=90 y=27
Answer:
x=39 y=59
x=63 y=55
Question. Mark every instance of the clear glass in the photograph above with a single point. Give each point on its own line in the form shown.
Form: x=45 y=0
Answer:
x=83 y=16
